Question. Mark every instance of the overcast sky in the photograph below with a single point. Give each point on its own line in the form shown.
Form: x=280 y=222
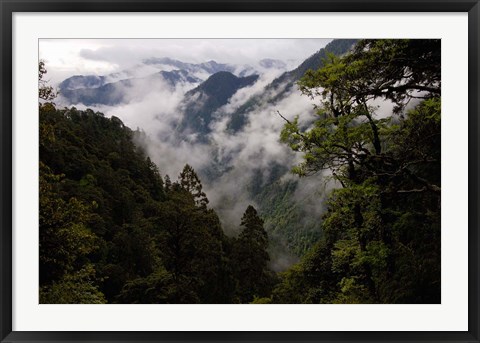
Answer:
x=67 y=57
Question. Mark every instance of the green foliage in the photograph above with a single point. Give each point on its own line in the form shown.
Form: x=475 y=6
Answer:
x=109 y=209
x=250 y=258
x=192 y=251
x=311 y=280
x=403 y=67
x=190 y=182
x=288 y=219
x=112 y=231
x=46 y=93
x=74 y=288
x=257 y=300
x=156 y=288
x=64 y=237
x=382 y=227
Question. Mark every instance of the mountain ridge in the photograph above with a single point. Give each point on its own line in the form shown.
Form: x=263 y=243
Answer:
x=115 y=93
x=287 y=80
x=201 y=102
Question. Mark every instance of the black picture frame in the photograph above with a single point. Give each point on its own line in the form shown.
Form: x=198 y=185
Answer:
x=8 y=7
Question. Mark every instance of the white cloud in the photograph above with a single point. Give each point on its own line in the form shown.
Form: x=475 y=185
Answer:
x=67 y=57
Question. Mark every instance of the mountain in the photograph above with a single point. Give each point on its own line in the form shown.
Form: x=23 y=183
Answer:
x=116 y=88
x=90 y=90
x=82 y=81
x=178 y=76
x=200 y=103
x=209 y=67
x=277 y=89
x=95 y=81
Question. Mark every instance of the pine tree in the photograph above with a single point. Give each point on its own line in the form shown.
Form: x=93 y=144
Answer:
x=190 y=182
x=251 y=258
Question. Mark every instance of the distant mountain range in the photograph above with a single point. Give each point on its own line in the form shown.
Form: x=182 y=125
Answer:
x=112 y=89
x=210 y=67
x=92 y=90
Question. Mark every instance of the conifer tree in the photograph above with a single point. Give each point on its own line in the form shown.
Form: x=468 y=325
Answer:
x=251 y=258
x=190 y=182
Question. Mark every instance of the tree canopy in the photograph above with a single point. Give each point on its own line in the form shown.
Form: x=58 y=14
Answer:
x=381 y=229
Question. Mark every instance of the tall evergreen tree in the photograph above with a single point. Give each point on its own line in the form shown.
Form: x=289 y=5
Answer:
x=189 y=181
x=251 y=258
x=192 y=244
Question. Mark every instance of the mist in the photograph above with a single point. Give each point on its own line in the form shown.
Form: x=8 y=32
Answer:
x=227 y=162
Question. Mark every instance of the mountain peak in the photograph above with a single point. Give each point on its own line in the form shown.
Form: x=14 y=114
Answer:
x=175 y=76
x=209 y=67
x=224 y=84
x=201 y=102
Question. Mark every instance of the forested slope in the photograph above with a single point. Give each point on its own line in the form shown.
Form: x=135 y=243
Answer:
x=113 y=230
x=381 y=241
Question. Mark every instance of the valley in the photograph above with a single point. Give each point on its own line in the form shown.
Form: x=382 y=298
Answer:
x=213 y=113
x=242 y=179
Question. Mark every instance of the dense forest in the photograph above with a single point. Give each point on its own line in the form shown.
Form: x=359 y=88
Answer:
x=113 y=229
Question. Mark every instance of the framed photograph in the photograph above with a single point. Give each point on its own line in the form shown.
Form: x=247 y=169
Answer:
x=239 y=171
